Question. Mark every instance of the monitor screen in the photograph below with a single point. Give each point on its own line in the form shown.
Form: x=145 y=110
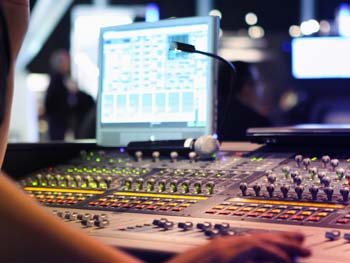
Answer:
x=321 y=57
x=149 y=92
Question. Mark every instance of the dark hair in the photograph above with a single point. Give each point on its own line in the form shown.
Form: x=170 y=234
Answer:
x=4 y=63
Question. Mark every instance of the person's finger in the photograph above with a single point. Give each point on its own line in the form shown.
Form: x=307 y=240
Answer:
x=268 y=253
x=292 y=247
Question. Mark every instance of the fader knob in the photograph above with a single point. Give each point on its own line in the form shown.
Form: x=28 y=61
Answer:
x=298 y=158
x=243 y=187
x=329 y=192
x=325 y=160
x=285 y=190
x=321 y=175
x=197 y=188
x=313 y=191
x=334 y=163
x=257 y=189
x=204 y=226
x=298 y=180
x=345 y=194
x=161 y=185
x=271 y=178
x=312 y=172
x=332 y=235
x=155 y=156
x=286 y=170
x=306 y=162
x=98 y=180
x=326 y=181
x=340 y=172
x=173 y=156
x=185 y=225
x=294 y=174
x=299 y=191
x=108 y=181
x=138 y=156
x=270 y=189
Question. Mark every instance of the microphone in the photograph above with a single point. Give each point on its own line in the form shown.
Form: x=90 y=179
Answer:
x=184 y=47
x=205 y=147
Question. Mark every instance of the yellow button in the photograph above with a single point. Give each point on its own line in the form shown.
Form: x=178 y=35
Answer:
x=291 y=212
x=261 y=210
x=60 y=197
x=102 y=199
x=247 y=209
x=232 y=208
x=124 y=201
x=160 y=203
x=184 y=205
x=219 y=207
x=275 y=211
x=322 y=214
x=306 y=213
x=145 y=203
x=81 y=198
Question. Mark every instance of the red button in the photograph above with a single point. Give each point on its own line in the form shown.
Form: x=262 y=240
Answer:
x=225 y=213
x=238 y=213
x=253 y=214
x=267 y=215
x=313 y=218
x=298 y=218
x=284 y=216
x=210 y=212
x=343 y=221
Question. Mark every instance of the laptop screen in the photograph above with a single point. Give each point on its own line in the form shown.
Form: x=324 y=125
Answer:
x=149 y=92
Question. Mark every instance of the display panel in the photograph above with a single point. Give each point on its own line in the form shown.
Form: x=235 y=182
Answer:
x=148 y=91
x=321 y=57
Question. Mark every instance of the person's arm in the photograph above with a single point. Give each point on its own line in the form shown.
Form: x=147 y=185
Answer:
x=17 y=15
x=28 y=233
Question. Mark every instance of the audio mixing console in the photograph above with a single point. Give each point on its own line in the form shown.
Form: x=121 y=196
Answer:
x=167 y=204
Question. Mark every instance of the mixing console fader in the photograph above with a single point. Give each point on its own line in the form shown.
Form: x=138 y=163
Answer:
x=167 y=204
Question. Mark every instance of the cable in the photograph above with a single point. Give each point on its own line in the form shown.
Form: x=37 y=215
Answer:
x=184 y=47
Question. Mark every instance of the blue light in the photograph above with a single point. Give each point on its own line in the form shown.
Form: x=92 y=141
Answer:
x=215 y=136
x=344 y=20
x=152 y=13
x=121 y=150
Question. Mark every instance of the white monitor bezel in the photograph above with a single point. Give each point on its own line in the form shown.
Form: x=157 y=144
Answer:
x=105 y=132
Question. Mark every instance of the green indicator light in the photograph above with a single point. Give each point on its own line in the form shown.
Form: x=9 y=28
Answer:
x=253 y=159
x=63 y=185
x=197 y=188
x=185 y=188
x=210 y=188
x=120 y=160
x=98 y=159
x=127 y=185
x=204 y=174
x=314 y=159
x=83 y=186
x=161 y=187
x=91 y=154
x=213 y=156
x=93 y=185
x=111 y=161
x=145 y=171
x=348 y=160
x=53 y=185
x=88 y=158
x=150 y=187
x=218 y=175
x=34 y=183
x=73 y=185
x=173 y=187
x=43 y=184
x=260 y=159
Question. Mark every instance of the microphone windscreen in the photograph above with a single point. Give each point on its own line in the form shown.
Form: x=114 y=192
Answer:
x=206 y=146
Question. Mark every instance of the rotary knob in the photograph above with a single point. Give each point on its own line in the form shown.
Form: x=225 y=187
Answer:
x=257 y=189
x=299 y=191
x=155 y=156
x=345 y=194
x=306 y=163
x=271 y=178
x=329 y=192
x=270 y=189
x=325 y=160
x=298 y=159
x=173 y=156
x=334 y=163
x=313 y=191
x=340 y=172
x=243 y=187
x=138 y=156
x=285 y=190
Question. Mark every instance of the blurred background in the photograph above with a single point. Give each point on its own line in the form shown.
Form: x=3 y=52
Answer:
x=299 y=49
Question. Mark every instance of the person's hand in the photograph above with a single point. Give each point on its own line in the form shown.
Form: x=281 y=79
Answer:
x=17 y=17
x=267 y=247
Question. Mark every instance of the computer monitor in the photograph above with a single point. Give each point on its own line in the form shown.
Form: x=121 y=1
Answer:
x=321 y=58
x=148 y=91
